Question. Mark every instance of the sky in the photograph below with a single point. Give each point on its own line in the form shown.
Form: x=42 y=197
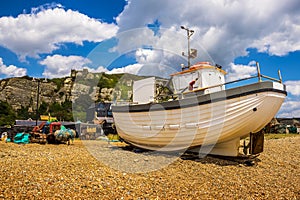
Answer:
x=49 y=38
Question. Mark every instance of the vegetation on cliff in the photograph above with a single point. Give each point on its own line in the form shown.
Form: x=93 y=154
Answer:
x=66 y=98
x=7 y=114
x=63 y=112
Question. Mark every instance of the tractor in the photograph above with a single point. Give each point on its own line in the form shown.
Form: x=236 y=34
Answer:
x=44 y=133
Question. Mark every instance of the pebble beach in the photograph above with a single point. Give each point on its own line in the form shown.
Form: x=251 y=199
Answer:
x=107 y=171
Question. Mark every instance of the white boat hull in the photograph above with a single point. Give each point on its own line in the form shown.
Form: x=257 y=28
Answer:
x=200 y=120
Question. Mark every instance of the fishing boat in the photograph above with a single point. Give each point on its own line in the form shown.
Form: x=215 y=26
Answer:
x=200 y=112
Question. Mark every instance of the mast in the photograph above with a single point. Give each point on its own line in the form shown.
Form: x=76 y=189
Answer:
x=189 y=56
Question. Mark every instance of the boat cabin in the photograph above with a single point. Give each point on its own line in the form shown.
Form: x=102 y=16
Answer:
x=200 y=76
x=146 y=90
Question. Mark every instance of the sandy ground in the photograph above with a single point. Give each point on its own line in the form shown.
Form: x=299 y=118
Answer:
x=97 y=170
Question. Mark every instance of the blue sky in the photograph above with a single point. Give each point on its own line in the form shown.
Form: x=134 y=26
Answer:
x=49 y=38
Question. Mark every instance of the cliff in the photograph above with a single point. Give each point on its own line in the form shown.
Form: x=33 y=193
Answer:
x=22 y=92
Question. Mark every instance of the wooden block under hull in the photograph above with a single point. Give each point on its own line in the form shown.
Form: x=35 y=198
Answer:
x=230 y=148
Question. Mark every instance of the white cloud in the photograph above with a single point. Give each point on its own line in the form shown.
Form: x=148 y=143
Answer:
x=226 y=28
x=98 y=70
x=236 y=71
x=60 y=66
x=284 y=40
x=148 y=56
x=45 y=30
x=144 y=70
x=11 y=70
x=165 y=48
x=130 y=69
x=293 y=87
x=151 y=62
x=290 y=108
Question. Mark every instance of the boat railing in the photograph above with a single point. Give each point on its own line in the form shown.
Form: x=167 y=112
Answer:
x=259 y=76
